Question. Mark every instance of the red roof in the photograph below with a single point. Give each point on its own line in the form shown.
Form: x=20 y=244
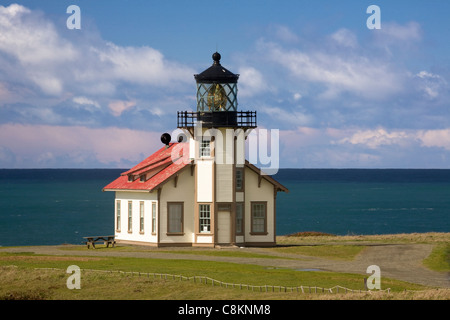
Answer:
x=156 y=169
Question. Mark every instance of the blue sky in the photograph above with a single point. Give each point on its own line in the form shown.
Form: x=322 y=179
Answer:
x=342 y=95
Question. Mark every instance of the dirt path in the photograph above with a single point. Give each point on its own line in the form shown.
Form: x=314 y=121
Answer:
x=398 y=261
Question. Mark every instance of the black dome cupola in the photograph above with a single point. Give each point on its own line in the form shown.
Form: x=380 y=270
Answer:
x=216 y=73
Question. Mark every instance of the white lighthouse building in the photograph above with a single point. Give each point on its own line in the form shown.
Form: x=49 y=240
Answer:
x=200 y=191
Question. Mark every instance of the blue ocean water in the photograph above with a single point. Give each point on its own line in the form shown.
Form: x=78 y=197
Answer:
x=55 y=206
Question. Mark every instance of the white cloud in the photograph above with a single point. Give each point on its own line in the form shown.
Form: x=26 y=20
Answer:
x=86 y=101
x=35 y=54
x=431 y=84
x=34 y=43
x=44 y=145
x=356 y=74
x=435 y=138
x=375 y=138
x=308 y=147
x=297 y=96
x=285 y=34
x=402 y=138
x=251 y=82
x=393 y=32
x=345 y=38
x=143 y=65
x=297 y=117
x=119 y=106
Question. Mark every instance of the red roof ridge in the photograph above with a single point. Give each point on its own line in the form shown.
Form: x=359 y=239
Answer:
x=159 y=156
x=165 y=163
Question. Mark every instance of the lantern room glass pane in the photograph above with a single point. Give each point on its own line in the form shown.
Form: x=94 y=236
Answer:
x=216 y=97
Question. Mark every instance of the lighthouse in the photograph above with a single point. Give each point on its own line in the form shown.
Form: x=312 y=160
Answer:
x=200 y=190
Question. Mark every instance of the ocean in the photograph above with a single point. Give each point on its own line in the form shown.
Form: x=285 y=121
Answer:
x=56 y=206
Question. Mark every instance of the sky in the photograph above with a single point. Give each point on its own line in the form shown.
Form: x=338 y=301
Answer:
x=342 y=95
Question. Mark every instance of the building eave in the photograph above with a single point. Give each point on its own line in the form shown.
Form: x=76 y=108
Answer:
x=271 y=180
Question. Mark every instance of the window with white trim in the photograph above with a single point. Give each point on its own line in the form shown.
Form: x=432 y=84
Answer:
x=239 y=218
x=174 y=217
x=205 y=148
x=205 y=217
x=153 y=217
x=259 y=217
x=141 y=216
x=130 y=216
x=118 y=215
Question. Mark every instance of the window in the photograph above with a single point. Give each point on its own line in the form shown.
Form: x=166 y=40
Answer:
x=259 y=212
x=239 y=179
x=205 y=218
x=141 y=216
x=118 y=215
x=205 y=148
x=239 y=218
x=153 y=217
x=130 y=215
x=174 y=217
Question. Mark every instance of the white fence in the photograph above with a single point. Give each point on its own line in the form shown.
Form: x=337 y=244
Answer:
x=214 y=282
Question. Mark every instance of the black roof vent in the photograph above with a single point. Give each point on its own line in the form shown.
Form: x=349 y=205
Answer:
x=216 y=73
x=165 y=138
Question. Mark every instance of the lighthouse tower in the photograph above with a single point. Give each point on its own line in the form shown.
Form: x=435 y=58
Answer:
x=217 y=133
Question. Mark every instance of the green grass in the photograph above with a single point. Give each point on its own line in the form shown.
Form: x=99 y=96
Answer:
x=337 y=252
x=20 y=279
x=222 y=271
x=225 y=253
x=439 y=259
x=25 y=283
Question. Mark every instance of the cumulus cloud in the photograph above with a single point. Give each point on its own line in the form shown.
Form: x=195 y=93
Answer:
x=284 y=33
x=378 y=137
x=345 y=37
x=432 y=85
x=251 y=82
x=118 y=106
x=435 y=138
x=364 y=148
x=338 y=100
x=355 y=74
x=35 y=48
x=25 y=146
x=374 y=139
x=143 y=65
x=34 y=54
x=392 y=32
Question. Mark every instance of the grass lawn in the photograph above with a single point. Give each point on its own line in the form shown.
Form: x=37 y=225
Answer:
x=21 y=280
x=338 y=252
x=22 y=275
x=439 y=259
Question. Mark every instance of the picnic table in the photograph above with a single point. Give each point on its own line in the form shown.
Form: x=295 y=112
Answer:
x=107 y=240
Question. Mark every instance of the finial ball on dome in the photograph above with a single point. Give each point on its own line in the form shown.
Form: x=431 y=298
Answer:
x=216 y=57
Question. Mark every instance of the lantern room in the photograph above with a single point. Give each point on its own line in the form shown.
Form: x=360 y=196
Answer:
x=217 y=104
x=216 y=88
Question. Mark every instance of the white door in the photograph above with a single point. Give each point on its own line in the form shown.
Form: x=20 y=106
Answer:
x=224 y=227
